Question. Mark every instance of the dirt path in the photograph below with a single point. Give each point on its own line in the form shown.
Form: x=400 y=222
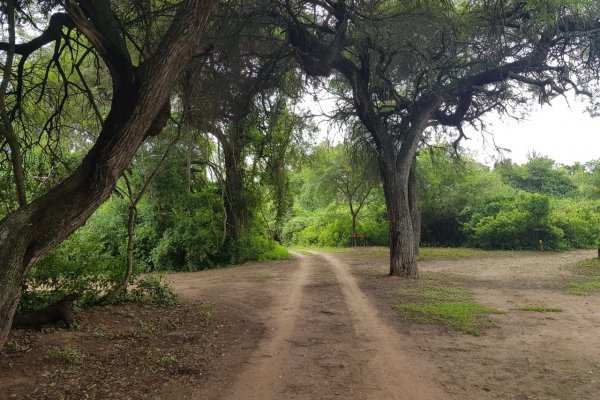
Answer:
x=325 y=340
x=397 y=373
x=261 y=378
x=322 y=326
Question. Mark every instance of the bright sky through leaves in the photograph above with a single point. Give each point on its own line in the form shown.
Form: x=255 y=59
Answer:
x=562 y=131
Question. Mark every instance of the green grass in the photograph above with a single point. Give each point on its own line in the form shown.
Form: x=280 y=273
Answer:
x=66 y=354
x=588 y=281
x=425 y=253
x=328 y=249
x=463 y=317
x=459 y=253
x=584 y=287
x=261 y=277
x=541 y=309
x=278 y=252
x=445 y=302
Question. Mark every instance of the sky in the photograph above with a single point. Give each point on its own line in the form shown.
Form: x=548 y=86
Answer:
x=562 y=131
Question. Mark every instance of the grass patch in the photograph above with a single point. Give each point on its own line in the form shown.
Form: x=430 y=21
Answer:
x=261 y=277
x=459 y=253
x=443 y=301
x=584 y=287
x=66 y=354
x=541 y=309
x=278 y=252
x=425 y=253
x=588 y=280
x=328 y=249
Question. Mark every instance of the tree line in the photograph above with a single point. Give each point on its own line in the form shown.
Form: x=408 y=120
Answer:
x=462 y=202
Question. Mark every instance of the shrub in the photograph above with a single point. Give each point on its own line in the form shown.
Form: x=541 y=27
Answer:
x=514 y=223
x=153 y=289
x=87 y=263
x=579 y=220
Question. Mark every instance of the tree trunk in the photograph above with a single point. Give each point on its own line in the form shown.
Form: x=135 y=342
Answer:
x=403 y=255
x=414 y=206
x=235 y=204
x=353 y=233
x=280 y=199
x=131 y=221
x=11 y=275
x=127 y=277
x=137 y=110
x=403 y=249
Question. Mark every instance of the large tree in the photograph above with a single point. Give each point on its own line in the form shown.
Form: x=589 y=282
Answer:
x=144 y=58
x=250 y=60
x=401 y=67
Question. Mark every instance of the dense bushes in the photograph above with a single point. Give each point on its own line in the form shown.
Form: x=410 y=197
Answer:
x=90 y=262
x=519 y=222
x=579 y=220
x=178 y=228
x=446 y=187
x=186 y=238
x=323 y=227
x=513 y=223
x=537 y=201
x=464 y=203
x=331 y=226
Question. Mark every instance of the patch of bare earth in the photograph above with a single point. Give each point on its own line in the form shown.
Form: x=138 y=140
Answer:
x=527 y=355
x=144 y=352
x=124 y=352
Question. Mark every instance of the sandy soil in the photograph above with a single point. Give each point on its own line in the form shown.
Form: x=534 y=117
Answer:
x=321 y=326
x=528 y=355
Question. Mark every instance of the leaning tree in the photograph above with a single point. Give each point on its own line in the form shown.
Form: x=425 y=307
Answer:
x=143 y=46
x=403 y=67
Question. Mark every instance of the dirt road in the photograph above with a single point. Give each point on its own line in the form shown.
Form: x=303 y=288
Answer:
x=331 y=333
x=321 y=326
x=325 y=341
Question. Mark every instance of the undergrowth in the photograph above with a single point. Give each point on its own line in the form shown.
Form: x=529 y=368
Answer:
x=151 y=289
x=425 y=253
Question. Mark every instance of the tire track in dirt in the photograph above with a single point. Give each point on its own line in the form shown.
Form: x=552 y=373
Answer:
x=327 y=358
x=396 y=374
x=325 y=341
x=261 y=379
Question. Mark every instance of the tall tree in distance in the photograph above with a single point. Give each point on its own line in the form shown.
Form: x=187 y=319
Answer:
x=249 y=58
x=345 y=175
x=279 y=150
x=402 y=67
x=139 y=107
